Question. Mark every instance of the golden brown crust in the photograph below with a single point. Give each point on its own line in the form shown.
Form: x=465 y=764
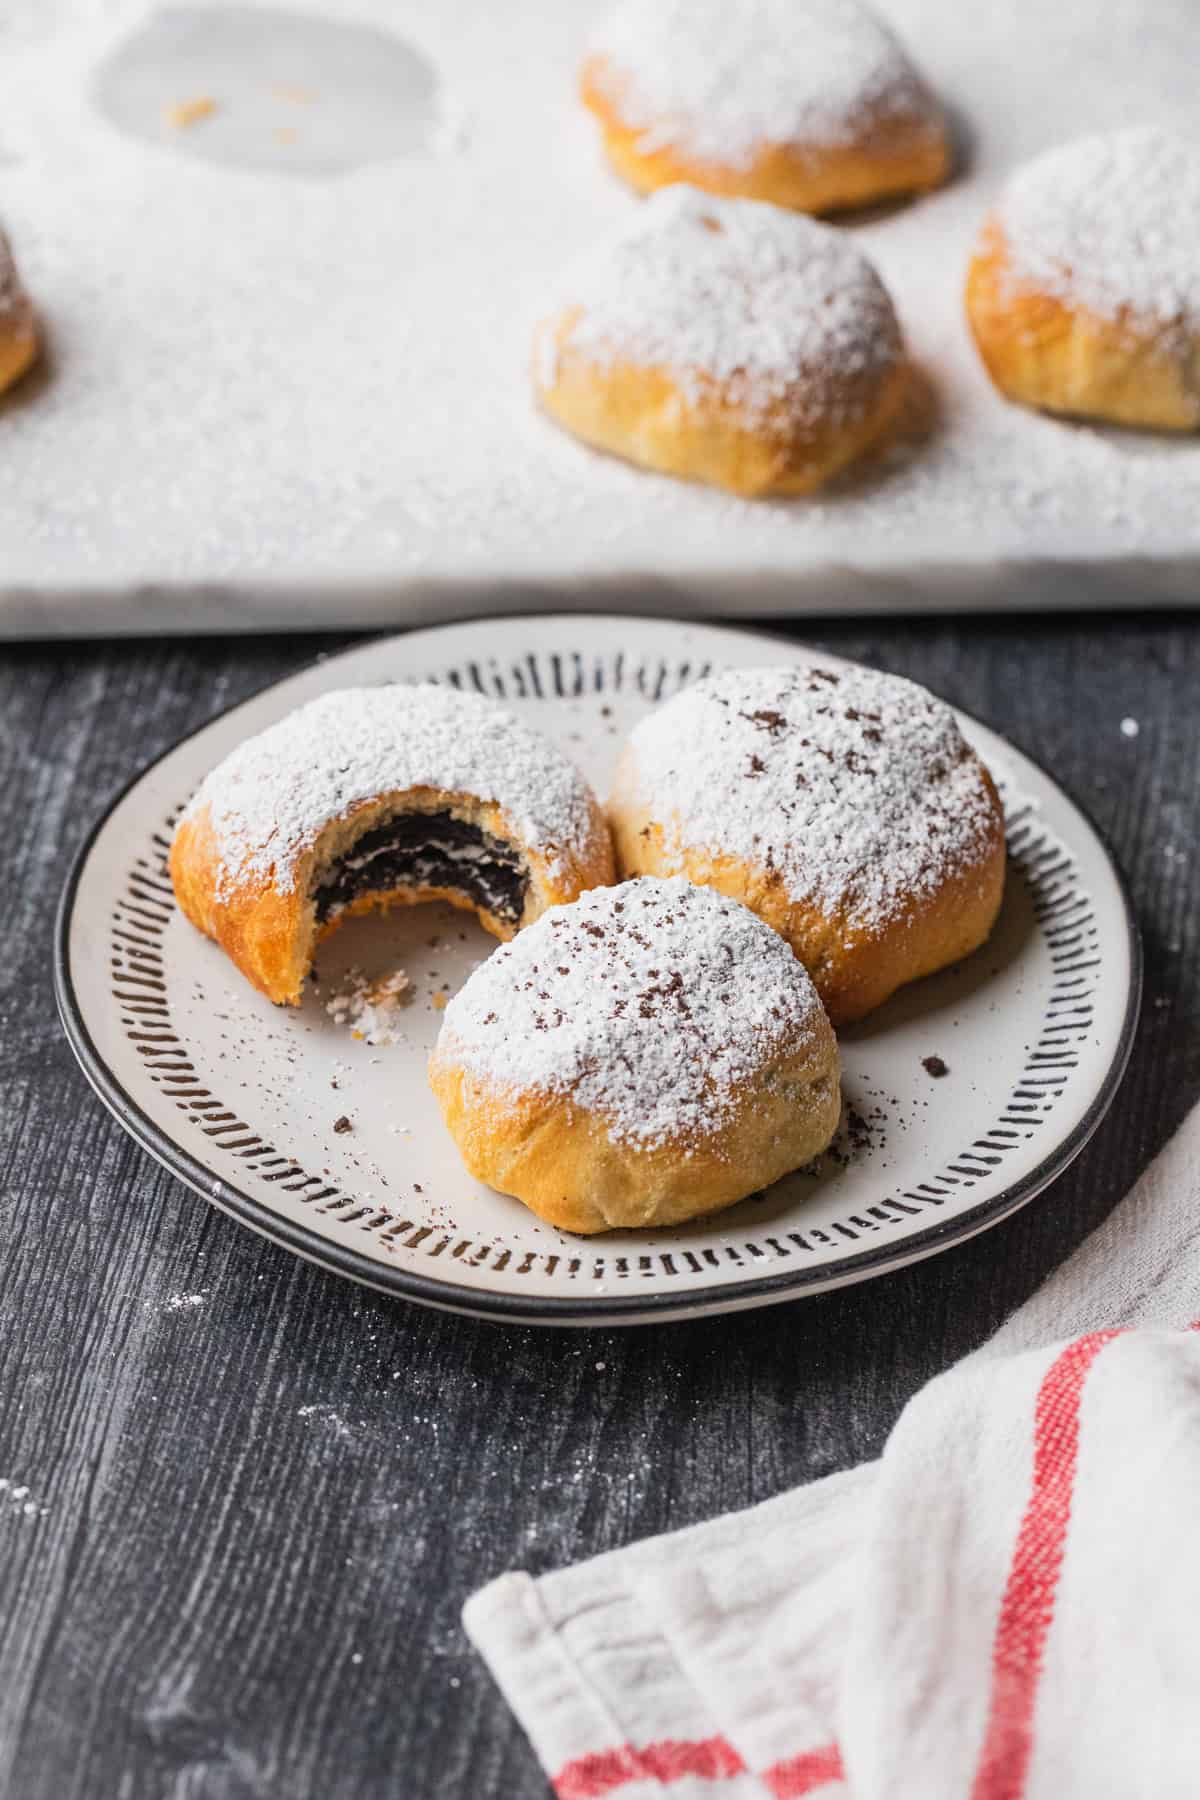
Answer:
x=566 y=1166
x=271 y=933
x=643 y=415
x=1063 y=358
x=18 y=342
x=889 y=158
x=855 y=966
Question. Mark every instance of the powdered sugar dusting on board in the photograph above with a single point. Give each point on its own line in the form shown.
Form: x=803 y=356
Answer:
x=857 y=788
x=719 y=79
x=772 y=305
x=651 y=1004
x=271 y=796
x=1109 y=222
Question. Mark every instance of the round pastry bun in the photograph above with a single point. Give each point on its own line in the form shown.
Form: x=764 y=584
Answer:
x=18 y=330
x=808 y=104
x=844 y=808
x=726 y=342
x=263 y=859
x=647 y=1055
x=1083 y=292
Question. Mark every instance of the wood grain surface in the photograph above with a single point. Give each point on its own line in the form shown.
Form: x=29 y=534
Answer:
x=244 y=1500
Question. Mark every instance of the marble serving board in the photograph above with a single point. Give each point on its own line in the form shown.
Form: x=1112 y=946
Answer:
x=286 y=377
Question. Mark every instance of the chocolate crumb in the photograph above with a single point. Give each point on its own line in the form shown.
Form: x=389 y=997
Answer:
x=342 y=1125
x=933 y=1065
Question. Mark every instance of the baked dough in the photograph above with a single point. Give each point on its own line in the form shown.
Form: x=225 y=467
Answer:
x=726 y=342
x=1084 y=289
x=844 y=806
x=18 y=331
x=649 y=1054
x=810 y=104
x=375 y=797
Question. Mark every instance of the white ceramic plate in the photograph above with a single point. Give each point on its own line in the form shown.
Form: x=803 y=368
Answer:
x=239 y=1098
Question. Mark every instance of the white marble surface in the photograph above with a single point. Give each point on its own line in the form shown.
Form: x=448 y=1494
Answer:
x=294 y=394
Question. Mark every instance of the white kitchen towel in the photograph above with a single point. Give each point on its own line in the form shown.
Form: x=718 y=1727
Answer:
x=1004 y=1607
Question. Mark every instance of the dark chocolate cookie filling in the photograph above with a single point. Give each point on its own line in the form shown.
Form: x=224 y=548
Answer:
x=429 y=850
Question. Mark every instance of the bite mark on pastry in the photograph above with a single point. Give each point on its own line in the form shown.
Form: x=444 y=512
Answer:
x=377 y=797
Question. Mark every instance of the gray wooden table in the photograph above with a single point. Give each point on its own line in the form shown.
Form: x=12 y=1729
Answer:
x=244 y=1501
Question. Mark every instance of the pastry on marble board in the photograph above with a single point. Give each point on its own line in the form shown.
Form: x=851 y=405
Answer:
x=647 y=1055
x=374 y=797
x=809 y=104
x=843 y=806
x=727 y=342
x=1083 y=293
x=18 y=328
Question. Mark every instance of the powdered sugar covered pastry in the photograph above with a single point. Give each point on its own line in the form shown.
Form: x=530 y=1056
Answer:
x=18 y=330
x=844 y=806
x=811 y=104
x=1084 y=290
x=372 y=797
x=648 y=1054
x=724 y=341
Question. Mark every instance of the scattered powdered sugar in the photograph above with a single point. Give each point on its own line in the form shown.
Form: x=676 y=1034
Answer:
x=719 y=79
x=1110 y=222
x=370 y=1008
x=856 y=788
x=651 y=1004
x=771 y=303
x=184 y=1302
x=272 y=796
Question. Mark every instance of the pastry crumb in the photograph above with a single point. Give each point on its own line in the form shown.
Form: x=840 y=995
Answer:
x=369 y=1008
x=185 y=113
x=440 y=1001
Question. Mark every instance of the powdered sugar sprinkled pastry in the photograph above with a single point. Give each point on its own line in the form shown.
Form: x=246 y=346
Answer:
x=18 y=332
x=845 y=808
x=649 y=1054
x=1084 y=290
x=374 y=797
x=726 y=342
x=811 y=104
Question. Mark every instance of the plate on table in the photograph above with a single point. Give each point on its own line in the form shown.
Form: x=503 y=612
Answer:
x=964 y=1096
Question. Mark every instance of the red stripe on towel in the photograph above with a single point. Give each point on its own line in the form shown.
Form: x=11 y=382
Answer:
x=797 y=1776
x=591 y=1777
x=1029 y=1598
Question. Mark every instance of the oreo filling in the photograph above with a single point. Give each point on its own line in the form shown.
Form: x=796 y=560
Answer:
x=429 y=850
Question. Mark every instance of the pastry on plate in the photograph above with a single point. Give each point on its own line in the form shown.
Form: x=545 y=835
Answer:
x=1084 y=289
x=726 y=342
x=642 y=1057
x=810 y=104
x=18 y=332
x=373 y=797
x=844 y=806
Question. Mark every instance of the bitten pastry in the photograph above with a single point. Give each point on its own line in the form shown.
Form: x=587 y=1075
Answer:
x=374 y=797
x=649 y=1054
x=726 y=342
x=810 y=104
x=1084 y=290
x=845 y=807
x=18 y=332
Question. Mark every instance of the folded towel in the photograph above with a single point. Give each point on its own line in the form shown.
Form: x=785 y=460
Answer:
x=1003 y=1607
